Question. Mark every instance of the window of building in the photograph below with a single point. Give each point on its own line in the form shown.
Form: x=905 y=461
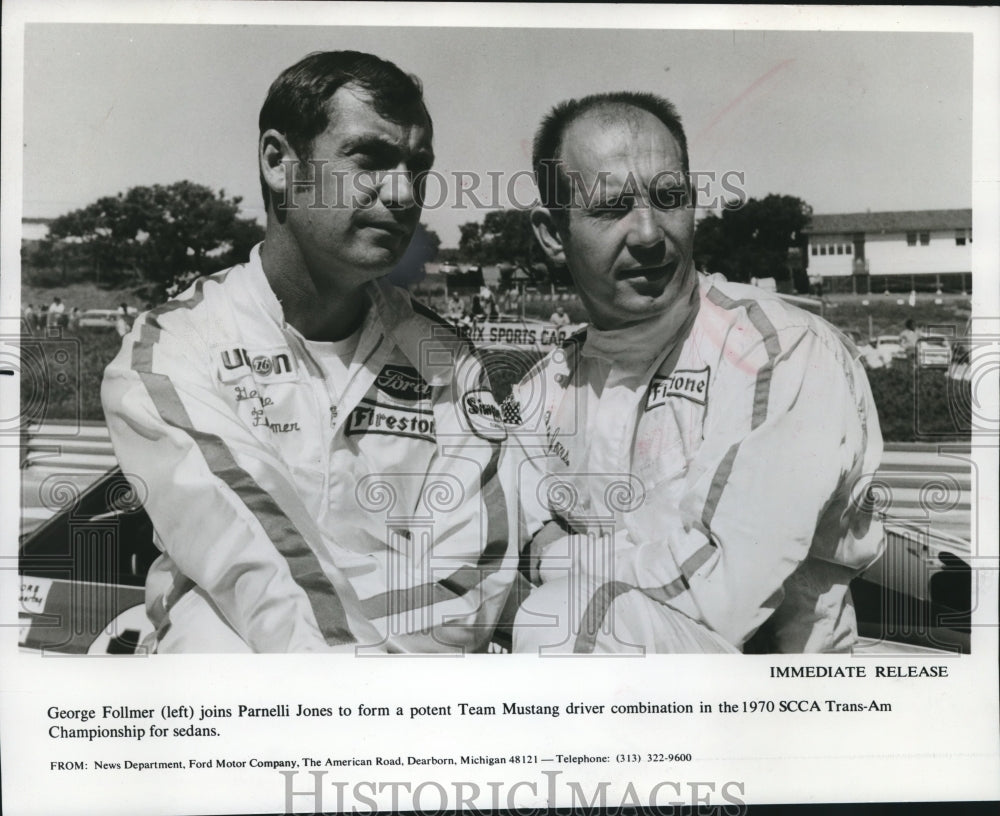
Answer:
x=815 y=249
x=840 y=249
x=911 y=239
x=925 y=238
x=960 y=237
x=847 y=249
x=822 y=250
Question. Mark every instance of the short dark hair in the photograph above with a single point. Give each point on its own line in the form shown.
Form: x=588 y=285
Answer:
x=548 y=142
x=297 y=101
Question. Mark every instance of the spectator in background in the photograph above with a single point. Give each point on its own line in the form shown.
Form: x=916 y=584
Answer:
x=494 y=313
x=30 y=316
x=559 y=318
x=477 y=312
x=908 y=337
x=513 y=300
x=455 y=311
x=486 y=297
x=121 y=320
x=74 y=318
x=55 y=313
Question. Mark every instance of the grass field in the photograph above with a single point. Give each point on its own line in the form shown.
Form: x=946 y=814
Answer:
x=82 y=295
x=888 y=316
x=61 y=373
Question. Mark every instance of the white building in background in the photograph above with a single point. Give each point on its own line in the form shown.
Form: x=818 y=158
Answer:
x=925 y=248
x=34 y=229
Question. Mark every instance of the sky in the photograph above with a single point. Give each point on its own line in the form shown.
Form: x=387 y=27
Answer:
x=847 y=121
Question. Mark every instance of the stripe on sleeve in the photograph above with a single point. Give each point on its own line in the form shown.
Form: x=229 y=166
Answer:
x=682 y=582
x=772 y=346
x=719 y=481
x=597 y=608
x=604 y=597
x=762 y=392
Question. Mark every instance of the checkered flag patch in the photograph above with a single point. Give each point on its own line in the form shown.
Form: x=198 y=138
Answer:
x=510 y=410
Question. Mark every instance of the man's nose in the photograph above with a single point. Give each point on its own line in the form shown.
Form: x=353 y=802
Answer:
x=645 y=231
x=397 y=190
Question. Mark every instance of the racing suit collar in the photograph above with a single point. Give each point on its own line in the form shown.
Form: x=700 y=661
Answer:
x=261 y=287
x=639 y=344
x=432 y=355
x=391 y=316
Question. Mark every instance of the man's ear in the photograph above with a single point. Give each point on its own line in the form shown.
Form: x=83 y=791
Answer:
x=274 y=156
x=547 y=233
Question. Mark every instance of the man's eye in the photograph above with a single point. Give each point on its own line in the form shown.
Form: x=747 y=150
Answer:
x=371 y=161
x=668 y=198
x=614 y=208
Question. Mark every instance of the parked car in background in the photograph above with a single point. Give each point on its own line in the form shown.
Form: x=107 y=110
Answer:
x=103 y=318
x=889 y=348
x=869 y=357
x=933 y=351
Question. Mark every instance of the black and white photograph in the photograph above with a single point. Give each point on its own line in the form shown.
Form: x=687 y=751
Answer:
x=611 y=390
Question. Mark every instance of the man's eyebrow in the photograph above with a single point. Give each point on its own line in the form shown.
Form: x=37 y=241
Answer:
x=369 y=141
x=378 y=142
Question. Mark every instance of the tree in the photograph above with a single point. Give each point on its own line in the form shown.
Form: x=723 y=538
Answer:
x=94 y=237
x=160 y=233
x=753 y=241
x=507 y=236
x=470 y=244
x=504 y=236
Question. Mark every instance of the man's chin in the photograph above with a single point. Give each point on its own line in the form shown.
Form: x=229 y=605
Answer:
x=634 y=305
x=381 y=259
x=644 y=297
x=655 y=290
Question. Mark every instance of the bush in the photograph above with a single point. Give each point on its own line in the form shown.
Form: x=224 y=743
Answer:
x=920 y=404
x=61 y=374
x=47 y=277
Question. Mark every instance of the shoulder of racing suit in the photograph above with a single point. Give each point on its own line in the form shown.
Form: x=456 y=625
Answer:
x=748 y=318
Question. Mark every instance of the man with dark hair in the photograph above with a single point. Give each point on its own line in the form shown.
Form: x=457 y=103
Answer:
x=318 y=453
x=297 y=101
x=695 y=463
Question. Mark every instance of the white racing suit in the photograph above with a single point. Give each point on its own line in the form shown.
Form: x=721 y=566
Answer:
x=293 y=518
x=713 y=490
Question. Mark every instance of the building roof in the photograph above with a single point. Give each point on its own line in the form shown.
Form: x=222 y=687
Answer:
x=881 y=222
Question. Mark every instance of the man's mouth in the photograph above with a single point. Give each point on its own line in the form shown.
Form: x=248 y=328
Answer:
x=655 y=275
x=388 y=226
